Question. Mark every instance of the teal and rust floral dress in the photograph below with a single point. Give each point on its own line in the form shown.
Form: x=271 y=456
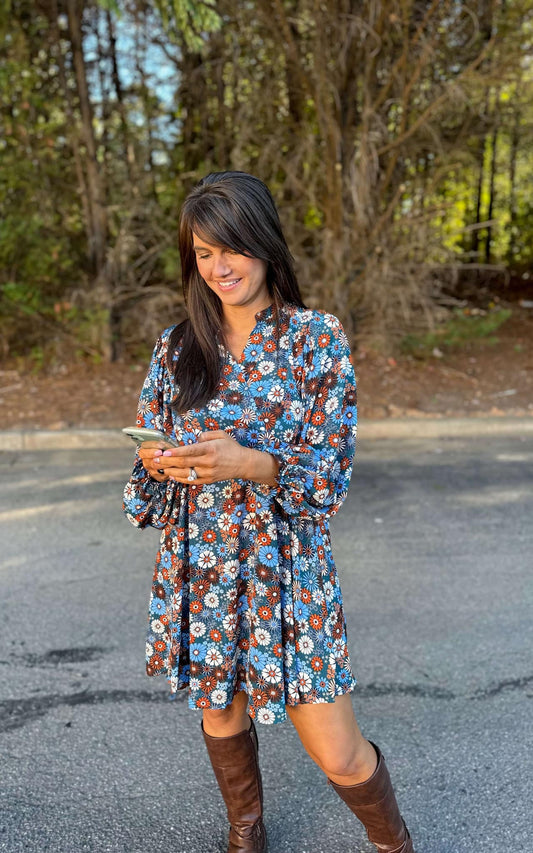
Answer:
x=245 y=594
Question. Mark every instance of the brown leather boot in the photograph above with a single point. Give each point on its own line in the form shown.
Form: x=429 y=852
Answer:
x=374 y=803
x=236 y=766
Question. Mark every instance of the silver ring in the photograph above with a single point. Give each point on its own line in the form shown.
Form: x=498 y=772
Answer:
x=192 y=475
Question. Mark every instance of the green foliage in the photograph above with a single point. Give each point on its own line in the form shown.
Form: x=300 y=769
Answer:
x=461 y=330
x=373 y=137
x=189 y=22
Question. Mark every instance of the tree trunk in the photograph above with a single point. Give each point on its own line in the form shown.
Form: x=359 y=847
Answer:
x=513 y=207
x=129 y=150
x=97 y=210
x=490 y=212
x=73 y=135
x=474 y=249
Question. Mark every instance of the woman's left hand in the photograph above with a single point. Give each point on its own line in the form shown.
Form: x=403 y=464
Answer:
x=216 y=456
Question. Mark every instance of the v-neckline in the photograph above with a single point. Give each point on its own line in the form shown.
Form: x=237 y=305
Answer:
x=261 y=315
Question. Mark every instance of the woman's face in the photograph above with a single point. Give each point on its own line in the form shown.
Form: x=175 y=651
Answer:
x=237 y=280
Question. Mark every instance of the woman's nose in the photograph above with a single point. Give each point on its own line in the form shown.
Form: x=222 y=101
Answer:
x=221 y=266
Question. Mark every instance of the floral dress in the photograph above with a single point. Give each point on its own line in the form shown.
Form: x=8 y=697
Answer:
x=245 y=594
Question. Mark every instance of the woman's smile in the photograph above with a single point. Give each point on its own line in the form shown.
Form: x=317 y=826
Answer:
x=229 y=285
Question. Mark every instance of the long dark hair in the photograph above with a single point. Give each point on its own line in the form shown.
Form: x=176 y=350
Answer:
x=237 y=211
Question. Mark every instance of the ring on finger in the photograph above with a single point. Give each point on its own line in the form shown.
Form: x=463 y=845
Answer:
x=192 y=475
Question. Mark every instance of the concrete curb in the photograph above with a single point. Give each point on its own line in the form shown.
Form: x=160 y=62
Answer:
x=369 y=430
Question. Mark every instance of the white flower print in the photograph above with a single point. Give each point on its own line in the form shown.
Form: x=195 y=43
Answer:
x=262 y=636
x=266 y=367
x=213 y=656
x=314 y=435
x=219 y=696
x=248 y=416
x=345 y=363
x=288 y=613
x=231 y=568
x=230 y=623
x=197 y=629
x=306 y=645
x=271 y=673
x=207 y=559
x=265 y=715
x=225 y=522
x=294 y=693
x=339 y=648
x=288 y=658
x=286 y=577
x=304 y=682
x=194 y=530
x=276 y=393
x=211 y=599
x=157 y=626
x=205 y=500
x=296 y=410
x=149 y=650
x=295 y=545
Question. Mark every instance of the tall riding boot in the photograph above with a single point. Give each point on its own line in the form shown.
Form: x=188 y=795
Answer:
x=374 y=803
x=236 y=766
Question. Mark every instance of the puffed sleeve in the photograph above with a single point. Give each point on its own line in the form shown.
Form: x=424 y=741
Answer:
x=147 y=501
x=314 y=473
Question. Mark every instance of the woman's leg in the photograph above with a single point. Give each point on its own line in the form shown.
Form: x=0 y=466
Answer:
x=355 y=768
x=231 y=742
x=228 y=721
x=331 y=736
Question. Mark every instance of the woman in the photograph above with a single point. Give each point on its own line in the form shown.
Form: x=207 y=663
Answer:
x=246 y=609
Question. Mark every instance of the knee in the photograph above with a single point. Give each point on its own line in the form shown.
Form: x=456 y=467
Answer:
x=349 y=764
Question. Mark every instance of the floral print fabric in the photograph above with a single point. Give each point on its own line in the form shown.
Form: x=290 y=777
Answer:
x=245 y=594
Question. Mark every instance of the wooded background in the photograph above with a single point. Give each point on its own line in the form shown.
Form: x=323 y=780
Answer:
x=395 y=136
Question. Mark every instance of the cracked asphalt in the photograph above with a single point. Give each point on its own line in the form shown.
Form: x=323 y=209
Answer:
x=434 y=549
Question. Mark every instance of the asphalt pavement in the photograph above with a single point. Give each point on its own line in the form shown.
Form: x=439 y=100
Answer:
x=434 y=550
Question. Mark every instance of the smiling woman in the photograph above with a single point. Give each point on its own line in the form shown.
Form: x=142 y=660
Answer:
x=246 y=608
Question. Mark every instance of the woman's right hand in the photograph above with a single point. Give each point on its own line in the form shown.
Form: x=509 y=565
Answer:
x=148 y=451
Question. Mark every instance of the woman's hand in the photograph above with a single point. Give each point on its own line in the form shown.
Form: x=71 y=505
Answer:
x=215 y=457
x=147 y=451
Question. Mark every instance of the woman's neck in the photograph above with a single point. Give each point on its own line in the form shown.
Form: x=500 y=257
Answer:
x=239 y=320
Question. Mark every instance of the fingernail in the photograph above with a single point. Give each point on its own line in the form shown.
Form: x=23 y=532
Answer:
x=157 y=459
x=167 y=453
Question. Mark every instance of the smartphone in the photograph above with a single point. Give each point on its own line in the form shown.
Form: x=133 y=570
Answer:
x=141 y=434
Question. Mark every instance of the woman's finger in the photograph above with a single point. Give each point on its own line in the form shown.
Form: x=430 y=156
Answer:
x=212 y=435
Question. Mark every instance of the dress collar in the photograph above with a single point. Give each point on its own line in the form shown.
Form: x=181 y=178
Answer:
x=265 y=313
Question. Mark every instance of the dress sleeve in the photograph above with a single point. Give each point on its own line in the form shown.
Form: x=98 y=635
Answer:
x=147 y=501
x=315 y=472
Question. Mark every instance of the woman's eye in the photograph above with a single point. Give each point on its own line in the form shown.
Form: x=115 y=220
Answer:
x=203 y=257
